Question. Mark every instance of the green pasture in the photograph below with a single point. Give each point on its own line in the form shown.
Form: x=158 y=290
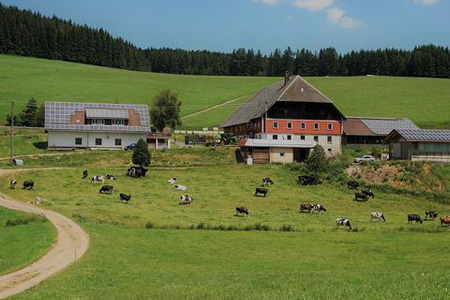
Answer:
x=26 y=142
x=24 y=238
x=424 y=100
x=153 y=248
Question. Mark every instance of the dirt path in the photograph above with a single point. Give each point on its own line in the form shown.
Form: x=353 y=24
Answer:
x=211 y=108
x=71 y=243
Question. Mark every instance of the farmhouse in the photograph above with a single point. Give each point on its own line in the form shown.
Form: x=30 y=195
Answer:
x=284 y=121
x=419 y=145
x=367 y=130
x=95 y=125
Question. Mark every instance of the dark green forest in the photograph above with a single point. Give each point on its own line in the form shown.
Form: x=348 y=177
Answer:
x=26 y=33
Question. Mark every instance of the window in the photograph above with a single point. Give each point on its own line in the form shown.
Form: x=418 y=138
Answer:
x=316 y=138
x=78 y=141
x=330 y=126
x=302 y=137
x=118 y=122
x=329 y=150
x=316 y=126
x=118 y=142
x=302 y=125
x=289 y=137
x=289 y=125
x=275 y=125
x=281 y=154
x=275 y=137
x=98 y=142
x=329 y=139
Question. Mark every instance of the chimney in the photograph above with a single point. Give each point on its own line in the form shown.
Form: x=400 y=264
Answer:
x=286 y=77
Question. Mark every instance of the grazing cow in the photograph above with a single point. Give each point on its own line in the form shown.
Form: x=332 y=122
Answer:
x=186 y=199
x=110 y=177
x=85 y=174
x=137 y=172
x=318 y=208
x=414 y=218
x=172 y=180
x=12 y=184
x=180 y=187
x=344 y=222
x=430 y=215
x=445 y=221
x=353 y=185
x=262 y=191
x=98 y=178
x=307 y=180
x=125 y=197
x=28 y=185
x=361 y=197
x=377 y=215
x=106 y=189
x=267 y=181
x=242 y=211
x=306 y=207
x=368 y=192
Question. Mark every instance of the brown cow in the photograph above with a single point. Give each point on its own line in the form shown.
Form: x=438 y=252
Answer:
x=445 y=220
x=306 y=207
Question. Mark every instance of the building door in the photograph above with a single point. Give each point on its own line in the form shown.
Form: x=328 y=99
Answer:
x=301 y=154
x=261 y=155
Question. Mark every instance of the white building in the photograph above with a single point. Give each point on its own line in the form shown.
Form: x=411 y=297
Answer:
x=95 y=125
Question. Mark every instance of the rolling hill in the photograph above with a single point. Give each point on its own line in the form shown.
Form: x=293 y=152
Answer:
x=424 y=100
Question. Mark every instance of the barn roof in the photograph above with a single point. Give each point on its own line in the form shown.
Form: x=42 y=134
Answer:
x=368 y=126
x=420 y=135
x=58 y=114
x=296 y=89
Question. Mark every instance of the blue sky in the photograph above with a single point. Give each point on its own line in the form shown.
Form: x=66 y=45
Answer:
x=224 y=25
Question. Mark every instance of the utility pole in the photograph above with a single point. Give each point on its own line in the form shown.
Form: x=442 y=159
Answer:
x=12 y=132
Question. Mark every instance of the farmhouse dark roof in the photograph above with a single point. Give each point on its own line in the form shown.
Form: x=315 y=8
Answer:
x=420 y=135
x=58 y=116
x=368 y=126
x=296 y=89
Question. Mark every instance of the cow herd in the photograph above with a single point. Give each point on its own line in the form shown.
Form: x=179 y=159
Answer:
x=107 y=188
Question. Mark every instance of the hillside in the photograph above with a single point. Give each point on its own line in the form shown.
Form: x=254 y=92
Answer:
x=423 y=100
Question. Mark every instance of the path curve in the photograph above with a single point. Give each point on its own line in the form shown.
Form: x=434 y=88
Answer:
x=72 y=243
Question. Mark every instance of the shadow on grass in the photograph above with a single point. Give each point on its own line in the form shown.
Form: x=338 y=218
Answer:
x=40 y=145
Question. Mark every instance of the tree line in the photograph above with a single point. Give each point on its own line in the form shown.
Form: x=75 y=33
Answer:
x=25 y=33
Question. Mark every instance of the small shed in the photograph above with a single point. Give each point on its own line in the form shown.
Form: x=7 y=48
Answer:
x=17 y=162
x=420 y=145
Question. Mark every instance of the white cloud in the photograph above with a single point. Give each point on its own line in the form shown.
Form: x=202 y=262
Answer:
x=268 y=2
x=313 y=5
x=424 y=2
x=338 y=17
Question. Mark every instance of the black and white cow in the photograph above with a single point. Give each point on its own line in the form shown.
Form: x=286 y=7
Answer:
x=430 y=215
x=414 y=218
x=125 y=197
x=306 y=207
x=137 y=172
x=172 y=180
x=110 y=177
x=353 y=185
x=180 y=187
x=28 y=185
x=186 y=199
x=318 y=208
x=377 y=215
x=267 y=181
x=106 y=189
x=361 y=197
x=98 y=178
x=12 y=184
x=368 y=192
x=85 y=174
x=240 y=210
x=307 y=180
x=344 y=222
x=262 y=191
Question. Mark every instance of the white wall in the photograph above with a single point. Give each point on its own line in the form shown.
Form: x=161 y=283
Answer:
x=60 y=139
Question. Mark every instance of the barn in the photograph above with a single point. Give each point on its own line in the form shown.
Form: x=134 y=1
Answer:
x=95 y=125
x=420 y=145
x=284 y=121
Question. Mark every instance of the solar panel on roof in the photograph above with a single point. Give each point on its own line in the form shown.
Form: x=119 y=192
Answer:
x=385 y=126
x=425 y=135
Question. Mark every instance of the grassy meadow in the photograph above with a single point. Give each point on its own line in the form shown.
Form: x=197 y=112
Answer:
x=424 y=100
x=24 y=238
x=153 y=248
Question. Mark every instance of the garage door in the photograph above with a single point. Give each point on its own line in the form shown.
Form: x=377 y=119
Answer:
x=261 y=155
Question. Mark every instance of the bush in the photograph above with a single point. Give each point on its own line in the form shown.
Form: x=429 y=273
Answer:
x=149 y=225
x=287 y=227
x=24 y=221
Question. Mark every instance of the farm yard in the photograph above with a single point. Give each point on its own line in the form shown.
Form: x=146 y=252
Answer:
x=154 y=248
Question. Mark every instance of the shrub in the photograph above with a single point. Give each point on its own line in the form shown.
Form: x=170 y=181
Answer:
x=149 y=225
x=287 y=227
